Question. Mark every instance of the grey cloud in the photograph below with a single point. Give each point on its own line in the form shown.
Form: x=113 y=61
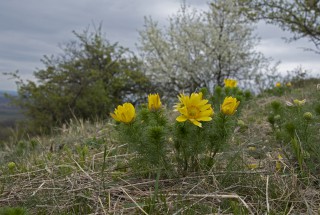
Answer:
x=292 y=55
x=291 y=52
x=33 y=28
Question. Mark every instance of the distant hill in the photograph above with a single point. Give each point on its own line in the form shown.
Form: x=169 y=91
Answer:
x=4 y=101
x=10 y=92
x=8 y=113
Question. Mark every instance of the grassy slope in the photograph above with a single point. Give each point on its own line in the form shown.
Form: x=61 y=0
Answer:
x=82 y=169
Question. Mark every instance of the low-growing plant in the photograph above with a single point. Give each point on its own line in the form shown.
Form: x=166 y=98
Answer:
x=279 y=88
x=295 y=128
x=195 y=137
x=230 y=89
x=145 y=131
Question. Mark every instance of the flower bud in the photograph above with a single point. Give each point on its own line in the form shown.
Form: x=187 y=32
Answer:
x=277 y=117
x=154 y=102
x=241 y=123
x=229 y=105
x=306 y=155
x=307 y=116
x=230 y=83
x=11 y=165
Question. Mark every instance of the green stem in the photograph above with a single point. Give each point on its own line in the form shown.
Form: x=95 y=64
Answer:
x=185 y=158
x=224 y=119
x=221 y=139
x=195 y=148
x=104 y=165
x=298 y=153
x=224 y=134
x=306 y=133
x=156 y=187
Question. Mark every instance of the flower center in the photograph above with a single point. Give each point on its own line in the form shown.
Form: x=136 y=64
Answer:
x=193 y=111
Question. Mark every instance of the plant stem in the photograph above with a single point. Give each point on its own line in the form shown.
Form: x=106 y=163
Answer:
x=156 y=187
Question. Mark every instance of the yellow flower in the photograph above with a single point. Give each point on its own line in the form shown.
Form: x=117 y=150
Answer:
x=252 y=148
x=229 y=105
x=299 y=102
x=194 y=108
x=230 y=83
x=279 y=163
x=124 y=113
x=289 y=84
x=278 y=84
x=154 y=102
x=253 y=166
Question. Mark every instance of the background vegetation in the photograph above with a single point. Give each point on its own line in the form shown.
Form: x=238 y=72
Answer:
x=86 y=81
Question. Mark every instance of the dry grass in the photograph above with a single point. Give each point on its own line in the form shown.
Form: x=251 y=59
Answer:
x=87 y=192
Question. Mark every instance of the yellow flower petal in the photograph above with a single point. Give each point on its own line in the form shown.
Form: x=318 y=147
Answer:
x=203 y=102
x=205 y=107
x=114 y=117
x=154 y=102
x=181 y=118
x=183 y=111
x=205 y=118
x=196 y=122
x=206 y=113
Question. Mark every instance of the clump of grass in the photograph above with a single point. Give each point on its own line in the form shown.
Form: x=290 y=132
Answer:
x=296 y=129
x=13 y=211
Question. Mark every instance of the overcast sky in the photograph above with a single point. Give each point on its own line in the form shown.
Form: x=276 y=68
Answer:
x=30 y=29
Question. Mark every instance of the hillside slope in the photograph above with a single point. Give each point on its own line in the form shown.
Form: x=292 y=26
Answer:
x=84 y=169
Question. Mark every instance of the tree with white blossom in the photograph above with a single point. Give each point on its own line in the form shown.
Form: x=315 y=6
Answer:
x=200 y=48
